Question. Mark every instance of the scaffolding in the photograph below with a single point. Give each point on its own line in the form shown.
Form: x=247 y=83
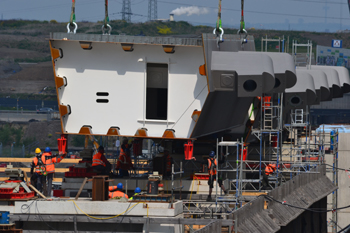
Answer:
x=229 y=167
x=299 y=59
x=270 y=136
x=281 y=43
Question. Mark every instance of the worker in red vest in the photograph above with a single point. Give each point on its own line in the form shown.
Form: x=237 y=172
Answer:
x=49 y=161
x=116 y=191
x=99 y=162
x=124 y=163
x=37 y=170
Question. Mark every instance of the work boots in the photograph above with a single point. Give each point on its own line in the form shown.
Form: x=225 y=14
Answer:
x=209 y=198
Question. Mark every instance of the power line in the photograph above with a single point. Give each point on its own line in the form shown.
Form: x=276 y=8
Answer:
x=256 y=12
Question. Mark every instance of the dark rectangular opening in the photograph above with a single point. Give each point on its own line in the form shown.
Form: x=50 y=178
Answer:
x=102 y=93
x=102 y=101
x=157 y=91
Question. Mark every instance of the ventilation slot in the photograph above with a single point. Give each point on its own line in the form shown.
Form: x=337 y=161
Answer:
x=102 y=94
x=102 y=101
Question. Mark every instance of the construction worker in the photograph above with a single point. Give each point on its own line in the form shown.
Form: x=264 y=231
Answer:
x=37 y=171
x=269 y=169
x=124 y=163
x=137 y=192
x=99 y=162
x=49 y=161
x=212 y=173
x=116 y=191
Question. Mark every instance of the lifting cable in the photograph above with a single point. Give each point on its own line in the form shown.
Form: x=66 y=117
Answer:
x=106 y=25
x=242 y=30
x=218 y=31
x=72 y=22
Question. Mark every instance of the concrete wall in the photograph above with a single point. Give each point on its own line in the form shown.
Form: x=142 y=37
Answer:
x=308 y=221
x=343 y=181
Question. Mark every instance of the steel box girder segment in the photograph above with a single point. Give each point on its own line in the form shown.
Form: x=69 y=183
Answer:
x=284 y=70
x=101 y=74
x=301 y=95
x=234 y=80
x=219 y=112
x=248 y=74
x=334 y=84
x=321 y=84
x=343 y=75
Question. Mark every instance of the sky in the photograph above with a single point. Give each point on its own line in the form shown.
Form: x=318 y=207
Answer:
x=281 y=14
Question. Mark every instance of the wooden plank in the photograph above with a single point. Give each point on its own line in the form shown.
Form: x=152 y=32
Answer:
x=37 y=191
x=54 y=179
x=29 y=160
x=81 y=188
x=27 y=169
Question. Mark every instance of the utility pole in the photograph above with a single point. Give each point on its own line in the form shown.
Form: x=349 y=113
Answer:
x=152 y=10
x=126 y=11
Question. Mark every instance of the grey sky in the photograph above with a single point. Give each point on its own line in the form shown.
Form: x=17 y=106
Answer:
x=257 y=12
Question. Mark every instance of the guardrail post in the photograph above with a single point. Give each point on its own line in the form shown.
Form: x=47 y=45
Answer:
x=0 y=149
x=23 y=150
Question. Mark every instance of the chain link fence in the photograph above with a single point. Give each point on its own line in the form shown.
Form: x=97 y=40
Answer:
x=17 y=151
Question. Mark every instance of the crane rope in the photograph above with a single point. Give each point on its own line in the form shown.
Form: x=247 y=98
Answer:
x=72 y=22
x=218 y=31
x=242 y=30
x=106 y=21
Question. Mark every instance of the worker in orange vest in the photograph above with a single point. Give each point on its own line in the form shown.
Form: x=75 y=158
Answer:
x=99 y=162
x=269 y=169
x=37 y=170
x=116 y=191
x=124 y=163
x=212 y=165
x=49 y=161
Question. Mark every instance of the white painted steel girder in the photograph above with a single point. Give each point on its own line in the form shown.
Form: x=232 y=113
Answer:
x=122 y=79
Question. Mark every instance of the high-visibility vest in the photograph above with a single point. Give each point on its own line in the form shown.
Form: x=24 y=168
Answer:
x=38 y=168
x=117 y=194
x=212 y=171
x=269 y=169
x=122 y=152
x=49 y=165
x=96 y=160
x=123 y=162
x=112 y=188
x=132 y=198
x=50 y=162
x=168 y=163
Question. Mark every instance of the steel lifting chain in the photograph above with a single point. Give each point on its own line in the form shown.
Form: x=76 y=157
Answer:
x=106 y=28
x=242 y=30
x=218 y=31
x=72 y=22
